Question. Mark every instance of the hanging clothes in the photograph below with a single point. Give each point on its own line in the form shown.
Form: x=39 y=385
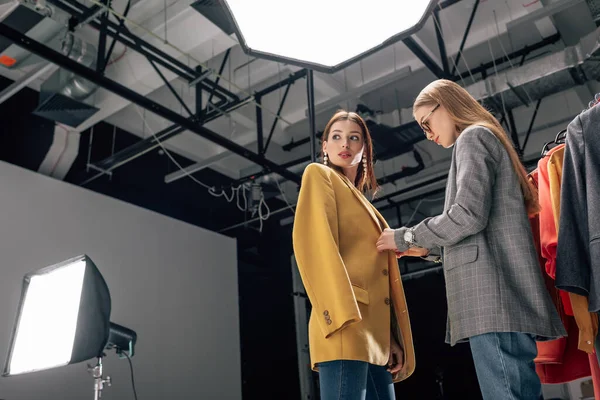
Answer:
x=561 y=361
x=558 y=361
x=578 y=252
x=549 y=190
x=548 y=226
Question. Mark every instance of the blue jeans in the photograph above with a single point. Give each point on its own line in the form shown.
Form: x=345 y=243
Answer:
x=505 y=367
x=355 y=380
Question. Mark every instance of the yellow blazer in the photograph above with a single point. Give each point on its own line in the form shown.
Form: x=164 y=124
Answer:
x=355 y=291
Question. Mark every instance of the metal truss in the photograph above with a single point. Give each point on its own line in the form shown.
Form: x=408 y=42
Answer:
x=93 y=76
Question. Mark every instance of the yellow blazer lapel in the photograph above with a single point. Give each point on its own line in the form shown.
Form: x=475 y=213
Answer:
x=382 y=220
x=369 y=207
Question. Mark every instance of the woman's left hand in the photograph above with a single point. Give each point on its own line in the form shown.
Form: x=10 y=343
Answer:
x=386 y=241
x=396 y=360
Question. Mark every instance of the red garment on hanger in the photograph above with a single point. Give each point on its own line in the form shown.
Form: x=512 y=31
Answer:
x=548 y=231
x=559 y=361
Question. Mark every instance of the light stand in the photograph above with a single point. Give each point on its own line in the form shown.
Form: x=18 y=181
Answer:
x=122 y=340
x=99 y=381
x=64 y=318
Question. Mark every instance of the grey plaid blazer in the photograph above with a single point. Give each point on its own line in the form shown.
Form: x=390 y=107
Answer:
x=493 y=277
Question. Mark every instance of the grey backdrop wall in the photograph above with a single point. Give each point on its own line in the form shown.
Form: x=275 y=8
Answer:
x=173 y=283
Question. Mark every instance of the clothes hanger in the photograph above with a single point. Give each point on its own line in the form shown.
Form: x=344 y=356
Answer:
x=562 y=135
x=559 y=139
x=595 y=101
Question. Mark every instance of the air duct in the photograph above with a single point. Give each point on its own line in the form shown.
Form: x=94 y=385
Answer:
x=35 y=23
x=542 y=77
x=64 y=96
x=72 y=85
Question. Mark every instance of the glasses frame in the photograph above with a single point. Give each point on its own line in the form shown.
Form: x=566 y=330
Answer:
x=424 y=125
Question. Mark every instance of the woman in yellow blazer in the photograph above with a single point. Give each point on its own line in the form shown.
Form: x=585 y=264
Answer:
x=359 y=330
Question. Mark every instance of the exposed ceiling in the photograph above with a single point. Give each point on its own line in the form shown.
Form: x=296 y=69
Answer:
x=385 y=82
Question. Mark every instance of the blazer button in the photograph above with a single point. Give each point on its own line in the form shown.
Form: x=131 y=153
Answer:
x=326 y=313
x=329 y=322
x=387 y=301
x=385 y=272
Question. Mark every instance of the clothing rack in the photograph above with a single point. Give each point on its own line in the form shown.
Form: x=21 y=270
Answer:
x=562 y=135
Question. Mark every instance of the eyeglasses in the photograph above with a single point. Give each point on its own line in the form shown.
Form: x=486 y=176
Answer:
x=424 y=125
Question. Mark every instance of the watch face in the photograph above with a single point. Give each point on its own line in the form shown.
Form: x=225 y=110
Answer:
x=408 y=236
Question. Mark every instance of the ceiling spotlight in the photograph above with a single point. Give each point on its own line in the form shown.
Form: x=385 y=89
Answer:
x=323 y=35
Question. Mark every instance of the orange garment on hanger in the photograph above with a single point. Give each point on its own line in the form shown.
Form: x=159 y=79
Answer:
x=558 y=361
x=549 y=188
x=548 y=230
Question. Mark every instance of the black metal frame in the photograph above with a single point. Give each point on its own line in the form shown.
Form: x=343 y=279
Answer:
x=425 y=59
x=522 y=53
x=537 y=107
x=228 y=101
x=464 y=39
x=440 y=39
x=310 y=96
x=278 y=115
x=93 y=76
x=120 y=33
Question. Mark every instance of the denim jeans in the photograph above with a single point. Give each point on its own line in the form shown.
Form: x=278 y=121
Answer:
x=505 y=367
x=355 y=380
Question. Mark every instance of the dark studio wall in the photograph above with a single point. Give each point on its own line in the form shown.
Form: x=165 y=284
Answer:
x=269 y=362
x=25 y=138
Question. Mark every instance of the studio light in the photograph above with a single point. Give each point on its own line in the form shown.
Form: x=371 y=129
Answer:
x=64 y=318
x=323 y=35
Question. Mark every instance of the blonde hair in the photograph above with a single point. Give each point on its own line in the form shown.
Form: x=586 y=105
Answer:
x=466 y=111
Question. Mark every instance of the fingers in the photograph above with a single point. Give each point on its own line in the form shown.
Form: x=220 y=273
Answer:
x=397 y=364
x=381 y=246
x=397 y=368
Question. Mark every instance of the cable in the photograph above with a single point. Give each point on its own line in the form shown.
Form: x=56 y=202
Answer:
x=497 y=75
x=260 y=214
x=462 y=56
x=132 y=377
x=235 y=191
x=188 y=174
x=283 y=195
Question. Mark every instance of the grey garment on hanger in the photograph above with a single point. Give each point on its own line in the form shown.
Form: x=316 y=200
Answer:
x=578 y=250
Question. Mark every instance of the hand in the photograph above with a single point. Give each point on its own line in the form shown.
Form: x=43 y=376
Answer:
x=386 y=241
x=413 y=252
x=396 y=360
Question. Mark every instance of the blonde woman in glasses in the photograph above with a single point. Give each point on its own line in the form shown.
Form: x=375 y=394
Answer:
x=497 y=300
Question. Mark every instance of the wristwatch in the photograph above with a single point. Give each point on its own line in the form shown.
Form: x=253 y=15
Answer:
x=409 y=237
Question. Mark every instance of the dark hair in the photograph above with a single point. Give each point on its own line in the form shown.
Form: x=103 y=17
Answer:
x=365 y=180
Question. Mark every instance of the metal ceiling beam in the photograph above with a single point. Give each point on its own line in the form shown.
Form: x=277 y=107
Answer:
x=440 y=38
x=447 y=3
x=123 y=35
x=424 y=57
x=465 y=36
x=206 y=163
x=62 y=61
x=525 y=51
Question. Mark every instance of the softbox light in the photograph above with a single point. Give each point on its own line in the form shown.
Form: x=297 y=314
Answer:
x=323 y=35
x=63 y=317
